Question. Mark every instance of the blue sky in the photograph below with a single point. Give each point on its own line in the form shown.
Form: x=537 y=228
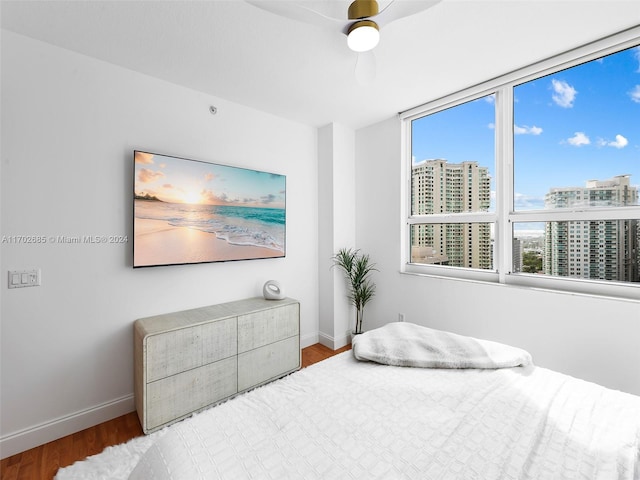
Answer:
x=572 y=126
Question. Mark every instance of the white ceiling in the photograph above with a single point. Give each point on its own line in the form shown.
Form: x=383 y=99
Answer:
x=233 y=50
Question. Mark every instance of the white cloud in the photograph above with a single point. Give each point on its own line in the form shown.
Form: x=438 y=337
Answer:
x=619 y=142
x=635 y=94
x=564 y=95
x=636 y=53
x=579 y=139
x=526 y=130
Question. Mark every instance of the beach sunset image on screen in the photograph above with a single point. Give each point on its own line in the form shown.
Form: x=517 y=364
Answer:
x=188 y=211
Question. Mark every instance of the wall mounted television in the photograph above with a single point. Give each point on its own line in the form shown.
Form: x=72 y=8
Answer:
x=189 y=211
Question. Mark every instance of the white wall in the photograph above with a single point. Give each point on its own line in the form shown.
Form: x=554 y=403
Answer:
x=336 y=229
x=69 y=125
x=591 y=338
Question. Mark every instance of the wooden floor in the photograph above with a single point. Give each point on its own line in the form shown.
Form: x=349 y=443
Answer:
x=42 y=463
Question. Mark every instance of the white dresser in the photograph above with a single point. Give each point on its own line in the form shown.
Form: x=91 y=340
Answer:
x=190 y=360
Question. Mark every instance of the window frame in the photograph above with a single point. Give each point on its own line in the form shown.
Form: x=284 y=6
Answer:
x=505 y=215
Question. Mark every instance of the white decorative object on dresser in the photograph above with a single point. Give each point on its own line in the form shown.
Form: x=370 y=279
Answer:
x=190 y=360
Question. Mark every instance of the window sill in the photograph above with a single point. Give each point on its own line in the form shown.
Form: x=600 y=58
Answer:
x=588 y=288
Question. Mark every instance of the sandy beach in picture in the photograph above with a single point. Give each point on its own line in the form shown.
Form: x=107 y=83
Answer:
x=157 y=241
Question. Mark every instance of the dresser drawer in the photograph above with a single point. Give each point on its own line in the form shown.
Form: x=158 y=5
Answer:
x=180 y=395
x=183 y=349
x=267 y=326
x=268 y=362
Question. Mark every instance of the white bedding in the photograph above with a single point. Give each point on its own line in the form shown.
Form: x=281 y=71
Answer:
x=345 y=419
x=405 y=344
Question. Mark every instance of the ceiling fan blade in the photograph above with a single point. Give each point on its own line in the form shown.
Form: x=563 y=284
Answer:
x=402 y=8
x=366 y=70
x=297 y=11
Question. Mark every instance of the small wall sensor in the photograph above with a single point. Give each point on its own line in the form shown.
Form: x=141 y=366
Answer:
x=213 y=110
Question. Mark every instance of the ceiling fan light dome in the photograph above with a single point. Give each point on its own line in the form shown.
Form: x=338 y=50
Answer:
x=363 y=36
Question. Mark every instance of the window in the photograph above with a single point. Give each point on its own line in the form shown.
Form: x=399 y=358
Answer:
x=453 y=159
x=534 y=178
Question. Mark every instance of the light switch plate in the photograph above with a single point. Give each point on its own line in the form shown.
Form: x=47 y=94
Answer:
x=24 y=278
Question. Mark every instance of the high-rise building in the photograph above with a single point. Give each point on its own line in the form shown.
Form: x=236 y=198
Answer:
x=516 y=255
x=441 y=187
x=604 y=249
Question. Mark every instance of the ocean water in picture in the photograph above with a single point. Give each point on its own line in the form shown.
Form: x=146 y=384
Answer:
x=238 y=225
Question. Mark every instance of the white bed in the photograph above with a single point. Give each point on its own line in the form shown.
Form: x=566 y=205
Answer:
x=347 y=419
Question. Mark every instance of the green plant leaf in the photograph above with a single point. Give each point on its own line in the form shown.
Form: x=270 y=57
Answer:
x=357 y=268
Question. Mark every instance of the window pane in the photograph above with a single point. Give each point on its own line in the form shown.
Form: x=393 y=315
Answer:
x=466 y=245
x=597 y=250
x=577 y=136
x=453 y=156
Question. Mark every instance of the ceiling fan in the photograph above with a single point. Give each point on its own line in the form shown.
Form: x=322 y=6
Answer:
x=362 y=24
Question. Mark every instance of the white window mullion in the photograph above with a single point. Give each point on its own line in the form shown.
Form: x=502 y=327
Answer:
x=405 y=189
x=568 y=214
x=503 y=242
x=466 y=217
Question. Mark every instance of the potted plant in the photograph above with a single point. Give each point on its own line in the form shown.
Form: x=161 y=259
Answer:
x=357 y=268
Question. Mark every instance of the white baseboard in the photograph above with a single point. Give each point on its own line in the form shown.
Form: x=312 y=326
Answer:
x=308 y=340
x=31 y=437
x=334 y=343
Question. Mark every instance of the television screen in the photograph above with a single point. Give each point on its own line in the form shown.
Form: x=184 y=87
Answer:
x=188 y=211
